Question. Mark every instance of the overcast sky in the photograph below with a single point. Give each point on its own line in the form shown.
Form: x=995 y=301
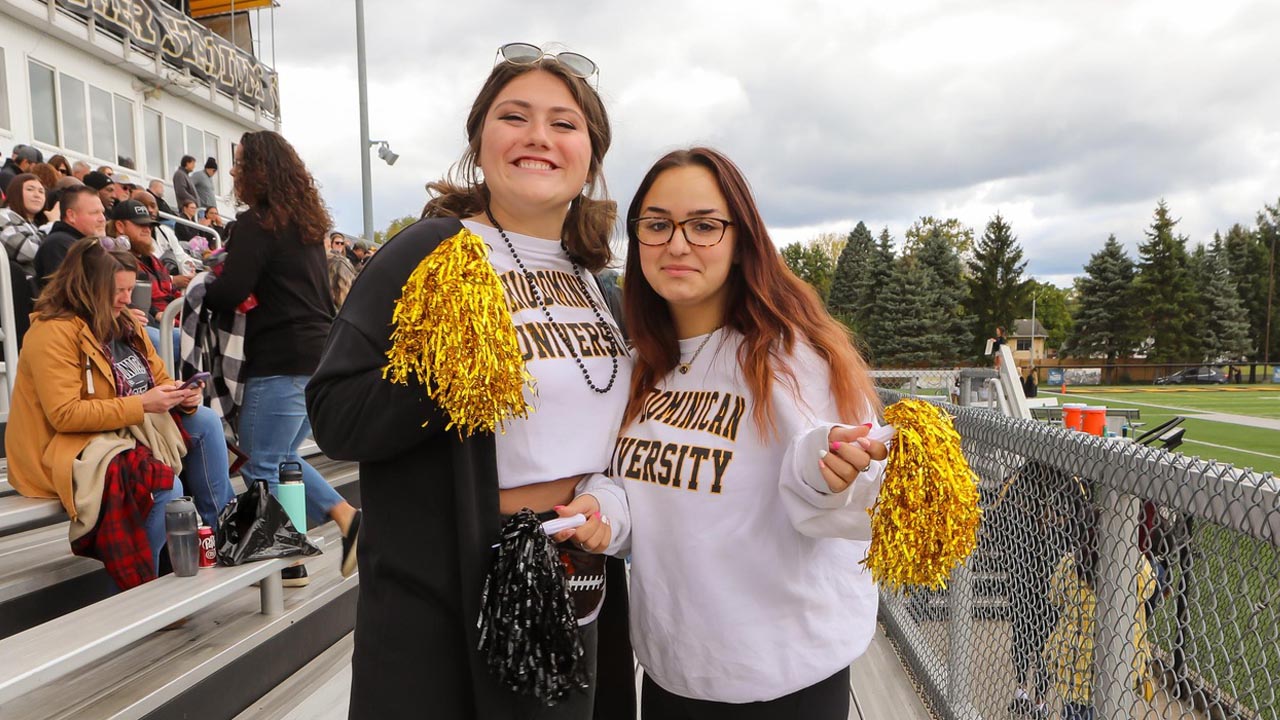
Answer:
x=1072 y=119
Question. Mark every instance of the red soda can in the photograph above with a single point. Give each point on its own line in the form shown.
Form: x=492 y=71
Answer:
x=208 y=550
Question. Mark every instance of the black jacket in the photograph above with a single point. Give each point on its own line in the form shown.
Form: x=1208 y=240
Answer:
x=8 y=172
x=430 y=503
x=53 y=250
x=285 y=333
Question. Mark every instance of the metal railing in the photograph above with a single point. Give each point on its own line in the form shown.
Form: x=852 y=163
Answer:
x=215 y=239
x=8 y=337
x=1110 y=578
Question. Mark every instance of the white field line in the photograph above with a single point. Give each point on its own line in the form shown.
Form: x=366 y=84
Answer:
x=1228 y=447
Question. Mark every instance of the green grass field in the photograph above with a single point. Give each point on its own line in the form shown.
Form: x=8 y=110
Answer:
x=1239 y=445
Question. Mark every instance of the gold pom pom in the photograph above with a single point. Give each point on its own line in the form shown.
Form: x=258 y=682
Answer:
x=925 y=520
x=453 y=333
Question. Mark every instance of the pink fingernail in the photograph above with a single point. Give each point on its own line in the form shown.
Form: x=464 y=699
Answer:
x=836 y=446
x=866 y=425
x=597 y=515
x=559 y=507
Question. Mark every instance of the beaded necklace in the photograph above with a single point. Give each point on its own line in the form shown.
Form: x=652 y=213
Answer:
x=564 y=334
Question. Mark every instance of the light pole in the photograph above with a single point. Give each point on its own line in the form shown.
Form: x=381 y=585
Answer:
x=366 y=185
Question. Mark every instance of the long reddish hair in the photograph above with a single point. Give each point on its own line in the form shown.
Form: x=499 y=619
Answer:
x=767 y=304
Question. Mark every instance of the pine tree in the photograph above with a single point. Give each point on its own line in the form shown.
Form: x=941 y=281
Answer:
x=940 y=263
x=909 y=299
x=851 y=290
x=1225 y=325
x=996 y=286
x=1269 y=238
x=881 y=326
x=1106 y=322
x=1247 y=262
x=1165 y=292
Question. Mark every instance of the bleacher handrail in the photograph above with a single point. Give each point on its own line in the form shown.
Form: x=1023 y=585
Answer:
x=216 y=241
x=168 y=318
x=8 y=323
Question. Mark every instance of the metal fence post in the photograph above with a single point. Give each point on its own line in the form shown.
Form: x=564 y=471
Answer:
x=1114 y=695
x=959 y=637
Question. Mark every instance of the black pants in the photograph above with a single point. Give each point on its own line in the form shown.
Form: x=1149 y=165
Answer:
x=827 y=700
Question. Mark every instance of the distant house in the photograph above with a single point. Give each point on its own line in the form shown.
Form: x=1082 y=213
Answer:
x=1023 y=341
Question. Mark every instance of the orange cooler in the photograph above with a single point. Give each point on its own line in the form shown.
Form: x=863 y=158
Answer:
x=1073 y=416
x=1095 y=419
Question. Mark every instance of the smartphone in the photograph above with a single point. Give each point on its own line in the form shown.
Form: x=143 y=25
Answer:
x=195 y=380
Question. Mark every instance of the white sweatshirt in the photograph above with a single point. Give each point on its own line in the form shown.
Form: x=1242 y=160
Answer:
x=745 y=582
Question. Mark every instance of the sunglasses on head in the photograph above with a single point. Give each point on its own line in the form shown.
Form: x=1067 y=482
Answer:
x=577 y=65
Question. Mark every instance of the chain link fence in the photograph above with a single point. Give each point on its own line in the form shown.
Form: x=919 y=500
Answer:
x=1111 y=580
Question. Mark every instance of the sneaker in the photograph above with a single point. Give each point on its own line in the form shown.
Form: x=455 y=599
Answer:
x=295 y=576
x=349 y=546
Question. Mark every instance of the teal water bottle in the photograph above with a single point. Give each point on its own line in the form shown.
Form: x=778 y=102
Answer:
x=292 y=494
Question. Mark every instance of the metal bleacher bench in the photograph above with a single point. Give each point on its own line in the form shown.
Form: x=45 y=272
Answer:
x=73 y=641
x=54 y=649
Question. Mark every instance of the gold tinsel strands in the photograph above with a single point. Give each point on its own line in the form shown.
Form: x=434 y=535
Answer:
x=925 y=520
x=453 y=333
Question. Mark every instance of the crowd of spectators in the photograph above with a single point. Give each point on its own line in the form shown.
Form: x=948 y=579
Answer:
x=82 y=242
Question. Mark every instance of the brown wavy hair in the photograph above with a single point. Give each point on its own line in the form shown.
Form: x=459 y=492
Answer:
x=14 y=200
x=84 y=286
x=271 y=179
x=767 y=304
x=592 y=215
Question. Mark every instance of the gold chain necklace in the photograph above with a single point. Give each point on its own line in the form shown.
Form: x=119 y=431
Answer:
x=684 y=366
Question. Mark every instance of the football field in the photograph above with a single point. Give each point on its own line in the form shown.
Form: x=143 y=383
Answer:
x=1239 y=425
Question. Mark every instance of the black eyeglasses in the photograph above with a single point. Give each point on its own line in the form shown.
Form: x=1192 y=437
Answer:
x=578 y=65
x=699 y=231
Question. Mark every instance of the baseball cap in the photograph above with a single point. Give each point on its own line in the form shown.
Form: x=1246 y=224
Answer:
x=97 y=180
x=123 y=178
x=133 y=211
x=28 y=153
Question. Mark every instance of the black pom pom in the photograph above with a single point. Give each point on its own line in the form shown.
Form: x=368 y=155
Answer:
x=528 y=632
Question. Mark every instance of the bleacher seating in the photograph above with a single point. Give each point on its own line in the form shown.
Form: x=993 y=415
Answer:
x=60 y=617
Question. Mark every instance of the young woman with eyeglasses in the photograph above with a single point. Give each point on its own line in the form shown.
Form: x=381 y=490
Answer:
x=528 y=199
x=744 y=461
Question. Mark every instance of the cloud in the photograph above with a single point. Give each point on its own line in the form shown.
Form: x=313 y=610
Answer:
x=1071 y=119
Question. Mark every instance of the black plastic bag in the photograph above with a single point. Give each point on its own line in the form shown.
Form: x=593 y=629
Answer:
x=254 y=526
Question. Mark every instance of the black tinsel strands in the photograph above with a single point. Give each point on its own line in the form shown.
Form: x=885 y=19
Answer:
x=528 y=632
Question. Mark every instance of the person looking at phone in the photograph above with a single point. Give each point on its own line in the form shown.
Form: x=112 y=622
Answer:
x=88 y=368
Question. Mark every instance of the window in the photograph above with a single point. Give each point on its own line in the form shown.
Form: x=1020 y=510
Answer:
x=4 y=94
x=102 y=124
x=195 y=146
x=153 y=142
x=75 y=117
x=126 y=152
x=173 y=144
x=211 y=151
x=44 y=107
x=1024 y=345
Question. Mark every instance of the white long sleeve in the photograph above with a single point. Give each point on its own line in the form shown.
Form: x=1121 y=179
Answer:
x=613 y=505
x=746 y=583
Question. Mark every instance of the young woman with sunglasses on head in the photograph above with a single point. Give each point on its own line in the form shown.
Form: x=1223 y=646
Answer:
x=744 y=460
x=435 y=494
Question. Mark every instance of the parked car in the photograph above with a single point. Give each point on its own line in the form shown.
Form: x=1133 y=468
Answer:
x=1194 y=376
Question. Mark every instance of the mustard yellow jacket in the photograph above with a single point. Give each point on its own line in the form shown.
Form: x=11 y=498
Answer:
x=65 y=393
